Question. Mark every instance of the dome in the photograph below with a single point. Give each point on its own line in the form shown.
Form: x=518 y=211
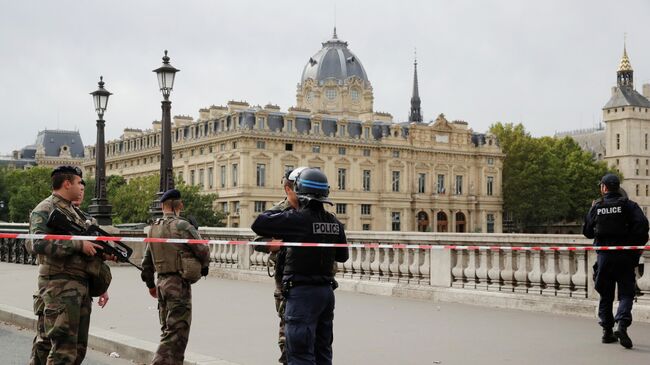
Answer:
x=333 y=61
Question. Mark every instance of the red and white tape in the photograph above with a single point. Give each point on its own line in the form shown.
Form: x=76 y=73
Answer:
x=307 y=244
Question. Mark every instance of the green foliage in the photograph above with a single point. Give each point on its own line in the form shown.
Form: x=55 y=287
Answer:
x=21 y=190
x=200 y=206
x=545 y=180
x=131 y=201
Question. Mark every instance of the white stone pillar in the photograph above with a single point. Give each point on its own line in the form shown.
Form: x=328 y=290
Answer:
x=440 y=268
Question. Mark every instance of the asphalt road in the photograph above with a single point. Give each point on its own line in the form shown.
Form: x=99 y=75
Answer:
x=16 y=345
x=236 y=321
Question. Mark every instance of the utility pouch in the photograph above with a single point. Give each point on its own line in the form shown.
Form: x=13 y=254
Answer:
x=190 y=267
x=39 y=304
x=99 y=277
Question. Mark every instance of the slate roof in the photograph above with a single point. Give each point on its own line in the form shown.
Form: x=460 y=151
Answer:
x=626 y=96
x=53 y=140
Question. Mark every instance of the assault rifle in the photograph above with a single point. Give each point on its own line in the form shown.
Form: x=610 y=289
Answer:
x=60 y=222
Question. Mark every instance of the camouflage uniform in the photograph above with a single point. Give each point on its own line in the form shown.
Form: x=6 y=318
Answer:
x=174 y=292
x=61 y=303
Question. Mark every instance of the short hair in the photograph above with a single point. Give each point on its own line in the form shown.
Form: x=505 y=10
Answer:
x=58 y=179
x=173 y=203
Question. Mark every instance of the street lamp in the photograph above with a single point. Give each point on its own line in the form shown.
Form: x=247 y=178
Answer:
x=99 y=208
x=166 y=74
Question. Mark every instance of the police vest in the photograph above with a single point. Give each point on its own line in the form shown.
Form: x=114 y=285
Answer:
x=611 y=220
x=167 y=256
x=315 y=260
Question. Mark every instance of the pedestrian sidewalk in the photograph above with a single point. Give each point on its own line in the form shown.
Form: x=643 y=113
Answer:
x=236 y=321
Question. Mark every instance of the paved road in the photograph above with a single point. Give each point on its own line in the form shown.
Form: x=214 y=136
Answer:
x=16 y=344
x=235 y=320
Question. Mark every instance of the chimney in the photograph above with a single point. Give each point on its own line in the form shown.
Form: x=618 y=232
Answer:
x=646 y=90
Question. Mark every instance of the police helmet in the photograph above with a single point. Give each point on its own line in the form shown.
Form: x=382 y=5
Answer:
x=311 y=184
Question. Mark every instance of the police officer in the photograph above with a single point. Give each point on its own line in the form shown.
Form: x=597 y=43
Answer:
x=62 y=303
x=289 y=202
x=308 y=275
x=178 y=266
x=614 y=220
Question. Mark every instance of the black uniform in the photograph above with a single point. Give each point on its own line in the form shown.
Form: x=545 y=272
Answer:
x=309 y=276
x=616 y=221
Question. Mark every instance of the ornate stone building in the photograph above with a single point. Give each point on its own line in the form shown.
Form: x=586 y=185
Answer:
x=433 y=176
x=52 y=148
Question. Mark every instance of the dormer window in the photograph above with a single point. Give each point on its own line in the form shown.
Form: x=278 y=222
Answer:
x=354 y=95
x=330 y=94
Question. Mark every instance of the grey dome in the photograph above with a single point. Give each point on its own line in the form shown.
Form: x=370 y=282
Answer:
x=333 y=61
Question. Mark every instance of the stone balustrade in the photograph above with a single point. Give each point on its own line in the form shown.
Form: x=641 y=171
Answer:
x=565 y=274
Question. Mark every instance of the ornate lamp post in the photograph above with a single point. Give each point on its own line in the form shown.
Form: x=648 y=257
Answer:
x=100 y=209
x=166 y=74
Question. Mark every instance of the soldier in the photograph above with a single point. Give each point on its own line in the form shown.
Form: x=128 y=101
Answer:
x=289 y=202
x=614 y=220
x=62 y=303
x=308 y=275
x=178 y=266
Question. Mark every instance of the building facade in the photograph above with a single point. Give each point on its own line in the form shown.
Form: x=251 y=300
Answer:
x=52 y=148
x=385 y=176
x=627 y=119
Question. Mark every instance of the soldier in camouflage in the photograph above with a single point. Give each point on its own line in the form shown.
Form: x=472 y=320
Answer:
x=172 y=289
x=62 y=302
x=277 y=255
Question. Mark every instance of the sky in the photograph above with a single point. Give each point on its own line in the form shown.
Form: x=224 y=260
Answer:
x=547 y=64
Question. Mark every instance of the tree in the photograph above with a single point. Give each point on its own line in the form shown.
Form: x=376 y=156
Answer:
x=23 y=190
x=200 y=206
x=545 y=180
x=131 y=200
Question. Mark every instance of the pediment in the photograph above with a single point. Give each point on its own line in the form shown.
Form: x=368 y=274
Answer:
x=441 y=124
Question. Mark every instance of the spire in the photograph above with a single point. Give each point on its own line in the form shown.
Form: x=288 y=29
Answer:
x=625 y=73
x=416 y=113
x=334 y=36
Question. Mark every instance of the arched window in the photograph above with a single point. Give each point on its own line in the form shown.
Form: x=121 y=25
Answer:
x=442 y=222
x=460 y=222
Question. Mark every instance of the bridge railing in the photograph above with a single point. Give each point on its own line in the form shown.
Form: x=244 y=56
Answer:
x=542 y=273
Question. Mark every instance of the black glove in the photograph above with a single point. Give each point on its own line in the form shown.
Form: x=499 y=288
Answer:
x=204 y=270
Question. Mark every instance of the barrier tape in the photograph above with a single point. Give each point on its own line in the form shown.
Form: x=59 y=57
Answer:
x=307 y=244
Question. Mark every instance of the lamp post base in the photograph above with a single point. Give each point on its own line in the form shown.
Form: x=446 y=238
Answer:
x=155 y=209
x=101 y=211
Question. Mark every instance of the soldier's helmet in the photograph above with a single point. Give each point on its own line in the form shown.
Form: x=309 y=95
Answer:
x=311 y=184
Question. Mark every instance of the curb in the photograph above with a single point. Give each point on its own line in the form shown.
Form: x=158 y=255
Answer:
x=131 y=348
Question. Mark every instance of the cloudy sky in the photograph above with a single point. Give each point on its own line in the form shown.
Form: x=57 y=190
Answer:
x=547 y=64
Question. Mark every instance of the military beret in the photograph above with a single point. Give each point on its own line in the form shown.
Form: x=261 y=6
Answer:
x=74 y=170
x=611 y=181
x=170 y=194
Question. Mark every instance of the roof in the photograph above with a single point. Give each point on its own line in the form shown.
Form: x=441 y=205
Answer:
x=53 y=140
x=626 y=96
x=334 y=61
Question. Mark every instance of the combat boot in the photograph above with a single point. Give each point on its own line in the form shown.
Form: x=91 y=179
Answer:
x=623 y=338
x=608 y=336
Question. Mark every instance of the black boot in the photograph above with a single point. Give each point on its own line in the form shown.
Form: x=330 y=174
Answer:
x=624 y=339
x=608 y=336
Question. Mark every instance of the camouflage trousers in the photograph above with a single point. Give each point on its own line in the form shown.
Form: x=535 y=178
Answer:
x=280 y=304
x=175 y=310
x=63 y=309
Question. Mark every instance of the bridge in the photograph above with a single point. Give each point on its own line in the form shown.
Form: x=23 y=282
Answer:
x=394 y=305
